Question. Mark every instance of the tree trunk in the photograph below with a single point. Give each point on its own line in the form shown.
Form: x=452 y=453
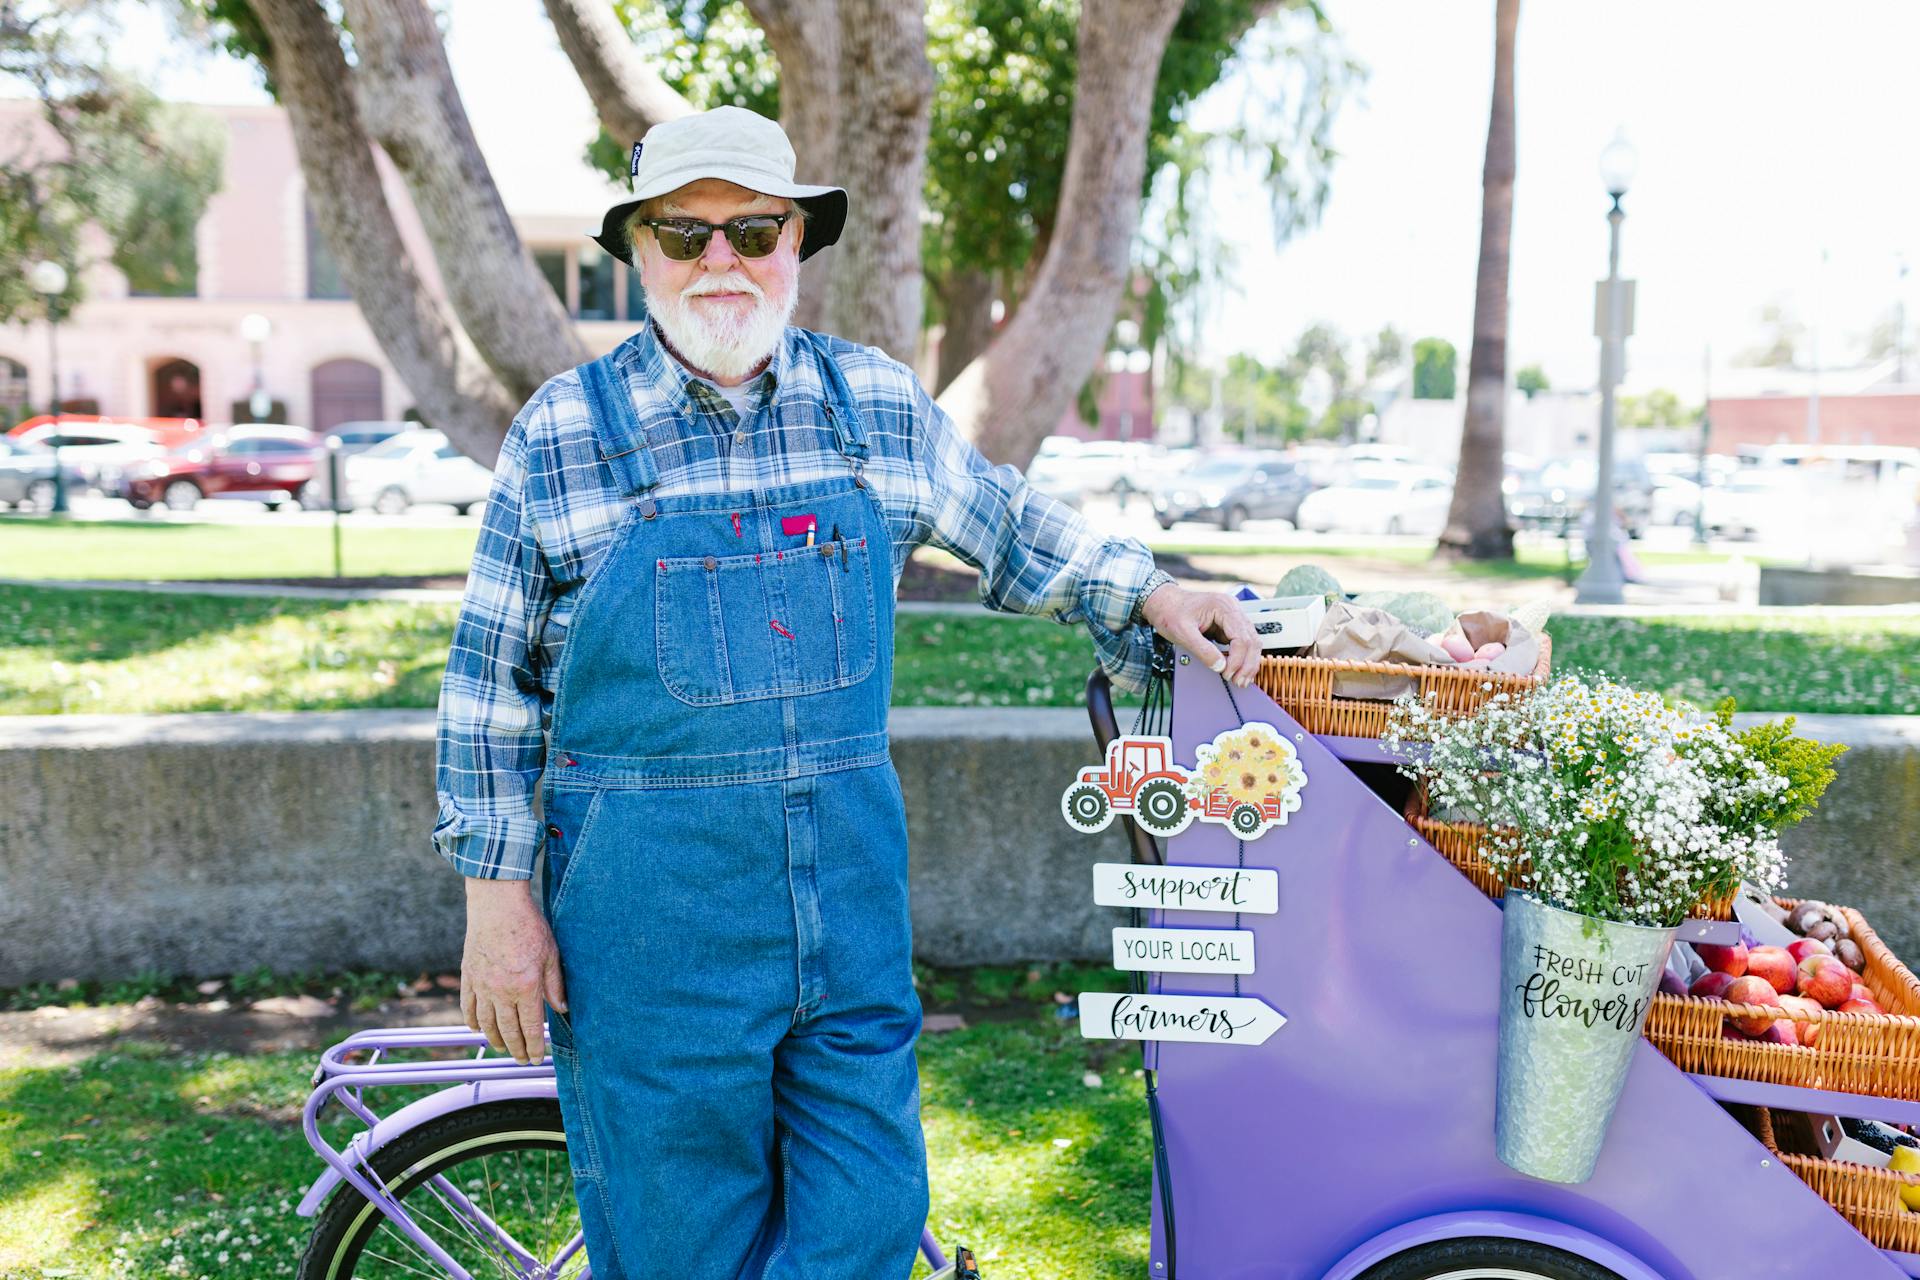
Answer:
x=967 y=302
x=1477 y=526
x=410 y=104
x=453 y=387
x=1013 y=395
x=886 y=98
x=805 y=38
x=629 y=96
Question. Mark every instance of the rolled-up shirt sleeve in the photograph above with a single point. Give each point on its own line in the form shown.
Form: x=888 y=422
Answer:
x=1035 y=554
x=490 y=742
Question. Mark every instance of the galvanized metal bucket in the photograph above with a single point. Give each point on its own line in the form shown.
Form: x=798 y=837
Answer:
x=1575 y=992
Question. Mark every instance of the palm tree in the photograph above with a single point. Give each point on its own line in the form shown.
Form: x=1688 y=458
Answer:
x=1477 y=525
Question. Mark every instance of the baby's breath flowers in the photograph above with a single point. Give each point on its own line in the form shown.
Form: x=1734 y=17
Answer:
x=1626 y=808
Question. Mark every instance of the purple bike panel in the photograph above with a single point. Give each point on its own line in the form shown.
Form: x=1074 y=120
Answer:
x=1372 y=1108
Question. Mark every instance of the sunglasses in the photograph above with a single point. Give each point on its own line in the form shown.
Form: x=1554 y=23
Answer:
x=754 y=235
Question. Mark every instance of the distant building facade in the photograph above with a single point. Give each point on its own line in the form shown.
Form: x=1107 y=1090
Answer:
x=1878 y=404
x=259 y=251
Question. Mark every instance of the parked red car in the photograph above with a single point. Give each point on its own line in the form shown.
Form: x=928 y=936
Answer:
x=268 y=463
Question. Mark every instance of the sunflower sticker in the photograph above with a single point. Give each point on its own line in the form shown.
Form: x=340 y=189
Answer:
x=1247 y=779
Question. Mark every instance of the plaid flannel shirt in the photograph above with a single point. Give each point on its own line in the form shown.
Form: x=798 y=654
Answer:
x=553 y=508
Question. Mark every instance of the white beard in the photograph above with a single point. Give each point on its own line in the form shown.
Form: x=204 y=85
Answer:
x=717 y=338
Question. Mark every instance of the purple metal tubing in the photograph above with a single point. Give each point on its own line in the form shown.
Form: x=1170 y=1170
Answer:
x=1791 y=1097
x=484 y=1080
x=1372 y=1108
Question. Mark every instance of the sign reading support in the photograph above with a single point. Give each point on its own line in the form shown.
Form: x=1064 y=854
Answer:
x=1246 y=1020
x=1184 y=950
x=1254 y=890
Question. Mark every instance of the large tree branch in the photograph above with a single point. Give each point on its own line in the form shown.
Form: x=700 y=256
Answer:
x=1009 y=398
x=453 y=387
x=629 y=96
x=410 y=103
x=805 y=38
x=886 y=98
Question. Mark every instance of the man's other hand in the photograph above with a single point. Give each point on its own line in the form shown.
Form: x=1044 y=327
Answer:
x=1189 y=618
x=510 y=967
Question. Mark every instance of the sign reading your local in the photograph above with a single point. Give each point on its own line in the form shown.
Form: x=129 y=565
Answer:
x=1255 y=890
x=1184 y=950
x=1109 y=1015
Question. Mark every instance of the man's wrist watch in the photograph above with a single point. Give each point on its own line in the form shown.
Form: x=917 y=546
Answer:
x=1155 y=580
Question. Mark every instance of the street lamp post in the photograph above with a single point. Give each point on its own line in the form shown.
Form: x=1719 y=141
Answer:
x=256 y=329
x=49 y=279
x=1601 y=582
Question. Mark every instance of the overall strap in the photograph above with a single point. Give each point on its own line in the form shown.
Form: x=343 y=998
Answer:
x=849 y=424
x=616 y=428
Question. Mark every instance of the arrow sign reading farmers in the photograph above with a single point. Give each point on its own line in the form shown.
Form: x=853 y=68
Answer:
x=1111 y=1015
x=1184 y=950
x=1255 y=890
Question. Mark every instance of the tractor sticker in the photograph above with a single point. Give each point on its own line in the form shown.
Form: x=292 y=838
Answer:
x=1247 y=779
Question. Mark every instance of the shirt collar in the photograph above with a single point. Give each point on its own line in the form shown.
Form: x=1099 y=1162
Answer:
x=644 y=357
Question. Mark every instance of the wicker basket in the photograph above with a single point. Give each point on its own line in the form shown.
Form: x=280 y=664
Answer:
x=1873 y=1054
x=1464 y=845
x=1304 y=687
x=1867 y=1197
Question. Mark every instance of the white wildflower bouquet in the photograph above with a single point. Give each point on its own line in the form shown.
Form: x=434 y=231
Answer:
x=1626 y=808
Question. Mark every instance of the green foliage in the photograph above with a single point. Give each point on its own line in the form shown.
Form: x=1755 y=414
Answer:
x=1434 y=362
x=1259 y=403
x=1531 y=381
x=1387 y=351
x=1658 y=408
x=139 y=169
x=1804 y=762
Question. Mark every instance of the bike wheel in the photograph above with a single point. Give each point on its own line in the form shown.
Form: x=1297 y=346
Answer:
x=508 y=1158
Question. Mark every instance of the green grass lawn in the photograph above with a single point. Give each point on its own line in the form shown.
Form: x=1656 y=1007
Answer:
x=120 y=1164
x=65 y=651
x=37 y=547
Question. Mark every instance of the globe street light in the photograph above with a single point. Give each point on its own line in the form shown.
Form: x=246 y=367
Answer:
x=255 y=329
x=1601 y=582
x=49 y=279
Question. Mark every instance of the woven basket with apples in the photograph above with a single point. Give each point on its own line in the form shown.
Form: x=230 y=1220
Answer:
x=1809 y=1019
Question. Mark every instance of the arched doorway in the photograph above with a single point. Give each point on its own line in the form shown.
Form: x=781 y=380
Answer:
x=345 y=390
x=176 y=389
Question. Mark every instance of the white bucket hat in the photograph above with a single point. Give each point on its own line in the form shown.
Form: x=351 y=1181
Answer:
x=741 y=146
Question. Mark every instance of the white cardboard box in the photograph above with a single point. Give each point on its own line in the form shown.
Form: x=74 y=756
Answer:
x=1295 y=620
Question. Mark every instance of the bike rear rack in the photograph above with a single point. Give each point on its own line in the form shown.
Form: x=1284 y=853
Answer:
x=336 y=1078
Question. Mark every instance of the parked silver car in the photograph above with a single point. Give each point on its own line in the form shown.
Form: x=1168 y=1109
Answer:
x=26 y=474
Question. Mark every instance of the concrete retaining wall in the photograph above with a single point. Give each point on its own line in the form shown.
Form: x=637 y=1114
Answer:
x=208 y=844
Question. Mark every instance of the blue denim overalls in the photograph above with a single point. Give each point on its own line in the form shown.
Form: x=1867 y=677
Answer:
x=727 y=880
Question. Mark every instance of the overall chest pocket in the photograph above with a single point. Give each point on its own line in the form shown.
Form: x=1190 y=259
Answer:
x=765 y=625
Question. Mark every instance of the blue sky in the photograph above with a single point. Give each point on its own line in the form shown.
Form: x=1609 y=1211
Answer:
x=1766 y=139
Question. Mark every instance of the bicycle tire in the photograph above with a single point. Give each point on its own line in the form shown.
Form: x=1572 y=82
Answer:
x=349 y=1221
x=1487 y=1258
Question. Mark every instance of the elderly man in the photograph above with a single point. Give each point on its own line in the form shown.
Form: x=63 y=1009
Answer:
x=678 y=629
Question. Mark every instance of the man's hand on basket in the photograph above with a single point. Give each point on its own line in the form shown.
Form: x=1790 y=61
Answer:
x=510 y=967
x=1188 y=618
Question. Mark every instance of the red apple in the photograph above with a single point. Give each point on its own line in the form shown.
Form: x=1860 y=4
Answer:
x=1861 y=1006
x=1825 y=979
x=1753 y=990
x=1731 y=961
x=1713 y=985
x=1801 y=948
x=1804 y=1032
x=1860 y=991
x=1773 y=964
x=1781 y=1032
